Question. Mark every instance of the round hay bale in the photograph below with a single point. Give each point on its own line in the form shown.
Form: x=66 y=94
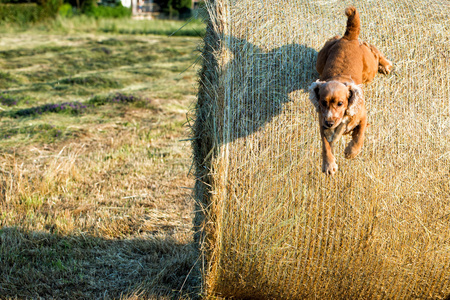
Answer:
x=270 y=223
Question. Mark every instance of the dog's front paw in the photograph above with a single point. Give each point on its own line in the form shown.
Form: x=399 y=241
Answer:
x=329 y=168
x=351 y=150
x=385 y=67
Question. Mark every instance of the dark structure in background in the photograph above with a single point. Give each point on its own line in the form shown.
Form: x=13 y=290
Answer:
x=164 y=8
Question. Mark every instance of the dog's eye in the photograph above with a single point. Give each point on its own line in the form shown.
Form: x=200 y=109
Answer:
x=324 y=103
x=340 y=103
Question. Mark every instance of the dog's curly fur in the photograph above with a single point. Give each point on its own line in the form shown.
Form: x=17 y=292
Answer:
x=344 y=64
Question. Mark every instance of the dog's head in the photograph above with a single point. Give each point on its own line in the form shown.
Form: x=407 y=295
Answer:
x=333 y=100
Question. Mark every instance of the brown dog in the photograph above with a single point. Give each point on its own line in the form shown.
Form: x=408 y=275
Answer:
x=344 y=64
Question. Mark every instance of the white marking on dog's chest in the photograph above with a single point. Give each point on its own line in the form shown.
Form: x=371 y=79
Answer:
x=334 y=134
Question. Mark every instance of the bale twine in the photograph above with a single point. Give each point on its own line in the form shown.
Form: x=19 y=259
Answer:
x=270 y=223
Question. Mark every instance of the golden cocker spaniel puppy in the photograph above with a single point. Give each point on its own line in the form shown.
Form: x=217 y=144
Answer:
x=344 y=64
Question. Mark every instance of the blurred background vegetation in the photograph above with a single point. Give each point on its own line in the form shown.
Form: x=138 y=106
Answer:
x=25 y=12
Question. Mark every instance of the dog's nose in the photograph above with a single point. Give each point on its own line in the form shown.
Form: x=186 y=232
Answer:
x=328 y=124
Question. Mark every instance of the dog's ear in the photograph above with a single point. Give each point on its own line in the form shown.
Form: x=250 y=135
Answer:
x=355 y=99
x=314 y=93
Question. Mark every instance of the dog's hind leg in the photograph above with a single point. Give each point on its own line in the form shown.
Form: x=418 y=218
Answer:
x=384 y=65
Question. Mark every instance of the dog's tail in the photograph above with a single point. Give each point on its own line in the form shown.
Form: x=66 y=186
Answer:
x=353 y=24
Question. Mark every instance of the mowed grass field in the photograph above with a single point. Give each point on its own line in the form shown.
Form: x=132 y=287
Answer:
x=95 y=198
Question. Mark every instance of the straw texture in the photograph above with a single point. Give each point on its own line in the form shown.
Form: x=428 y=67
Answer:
x=270 y=223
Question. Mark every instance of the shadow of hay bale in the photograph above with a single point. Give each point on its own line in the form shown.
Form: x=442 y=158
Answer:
x=262 y=82
x=268 y=77
x=87 y=267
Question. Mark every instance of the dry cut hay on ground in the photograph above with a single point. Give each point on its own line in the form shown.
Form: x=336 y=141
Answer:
x=273 y=225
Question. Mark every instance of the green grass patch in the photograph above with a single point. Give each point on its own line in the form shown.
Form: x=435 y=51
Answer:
x=32 y=202
x=119 y=98
x=92 y=81
x=12 y=100
x=192 y=27
x=113 y=42
x=23 y=52
x=73 y=107
x=8 y=79
x=43 y=132
x=46 y=75
x=128 y=26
